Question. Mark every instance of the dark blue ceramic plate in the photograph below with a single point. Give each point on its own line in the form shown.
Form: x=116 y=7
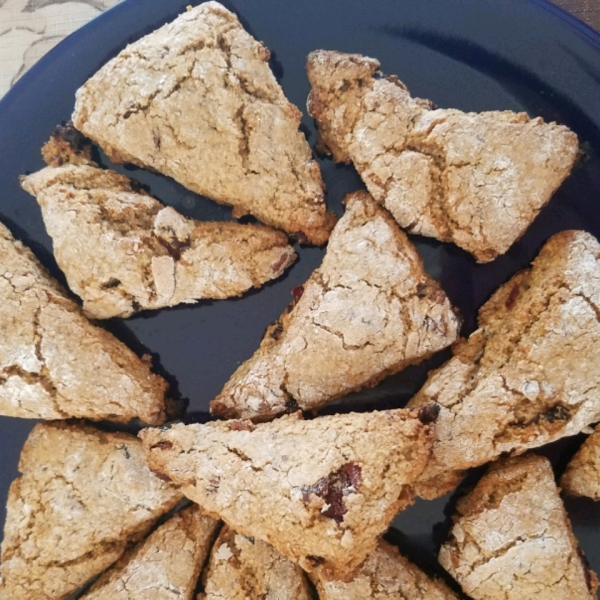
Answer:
x=470 y=54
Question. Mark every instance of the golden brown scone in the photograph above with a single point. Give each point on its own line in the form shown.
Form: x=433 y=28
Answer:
x=475 y=179
x=368 y=311
x=165 y=566
x=582 y=476
x=196 y=100
x=512 y=538
x=54 y=364
x=84 y=494
x=529 y=375
x=243 y=568
x=385 y=575
x=320 y=491
x=123 y=251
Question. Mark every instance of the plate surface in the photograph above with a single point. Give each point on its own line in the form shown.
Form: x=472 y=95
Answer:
x=469 y=54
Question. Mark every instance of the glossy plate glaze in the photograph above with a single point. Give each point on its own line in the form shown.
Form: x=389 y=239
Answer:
x=469 y=54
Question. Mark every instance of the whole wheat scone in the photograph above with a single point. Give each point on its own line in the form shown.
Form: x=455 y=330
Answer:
x=512 y=538
x=54 y=364
x=122 y=251
x=368 y=311
x=244 y=568
x=196 y=100
x=475 y=179
x=165 y=566
x=582 y=475
x=385 y=575
x=83 y=495
x=320 y=491
x=529 y=375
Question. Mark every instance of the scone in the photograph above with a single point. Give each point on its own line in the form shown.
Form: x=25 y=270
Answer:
x=513 y=540
x=475 y=179
x=385 y=575
x=196 y=100
x=83 y=495
x=320 y=491
x=244 y=568
x=123 y=251
x=529 y=375
x=582 y=476
x=54 y=364
x=368 y=311
x=165 y=566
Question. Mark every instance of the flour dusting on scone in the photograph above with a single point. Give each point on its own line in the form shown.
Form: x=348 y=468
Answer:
x=582 y=476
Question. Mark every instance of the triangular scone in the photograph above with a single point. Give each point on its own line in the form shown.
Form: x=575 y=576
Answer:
x=582 y=476
x=368 y=311
x=243 y=568
x=84 y=494
x=54 y=364
x=529 y=375
x=196 y=100
x=475 y=179
x=320 y=491
x=122 y=251
x=165 y=566
x=512 y=538
x=385 y=575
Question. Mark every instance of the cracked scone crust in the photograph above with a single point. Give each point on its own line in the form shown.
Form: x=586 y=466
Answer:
x=529 y=375
x=368 y=311
x=385 y=575
x=122 y=251
x=54 y=364
x=165 y=566
x=243 y=568
x=475 y=179
x=582 y=476
x=320 y=491
x=512 y=539
x=196 y=100
x=83 y=495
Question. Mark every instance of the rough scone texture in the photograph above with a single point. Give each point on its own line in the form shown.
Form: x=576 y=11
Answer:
x=582 y=476
x=320 y=491
x=243 y=568
x=84 y=494
x=368 y=311
x=165 y=566
x=54 y=363
x=122 y=251
x=512 y=539
x=196 y=100
x=529 y=375
x=475 y=179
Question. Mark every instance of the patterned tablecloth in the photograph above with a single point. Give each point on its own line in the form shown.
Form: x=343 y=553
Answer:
x=29 y=28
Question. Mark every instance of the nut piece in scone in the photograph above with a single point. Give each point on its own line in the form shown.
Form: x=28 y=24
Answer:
x=368 y=311
x=196 y=100
x=245 y=568
x=582 y=476
x=475 y=179
x=512 y=538
x=54 y=364
x=165 y=566
x=83 y=495
x=123 y=251
x=320 y=491
x=385 y=575
x=529 y=375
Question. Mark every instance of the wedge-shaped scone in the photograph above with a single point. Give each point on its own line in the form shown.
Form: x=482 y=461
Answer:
x=529 y=375
x=582 y=476
x=83 y=495
x=385 y=575
x=475 y=179
x=367 y=312
x=243 y=568
x=320 y=491
x=122 y=251
x=512 y=538
x=196 y=100
x=165 y=566
x=54 y=364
